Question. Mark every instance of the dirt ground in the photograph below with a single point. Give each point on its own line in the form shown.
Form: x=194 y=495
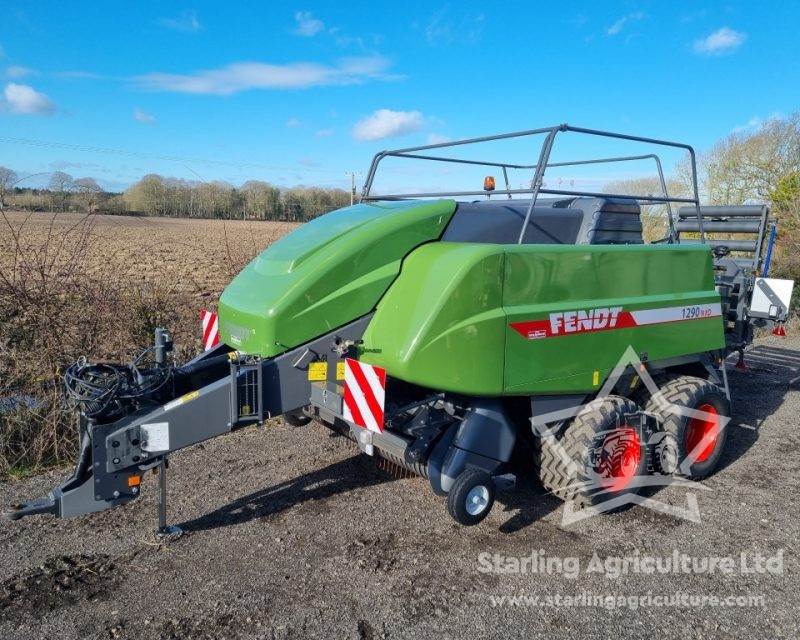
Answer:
x=192 y=255
x=290 y=534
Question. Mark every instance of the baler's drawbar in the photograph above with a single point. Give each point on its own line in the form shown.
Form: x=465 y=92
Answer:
x=446 y=333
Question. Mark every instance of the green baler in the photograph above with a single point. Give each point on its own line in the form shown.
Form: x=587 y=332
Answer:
x=445 y=331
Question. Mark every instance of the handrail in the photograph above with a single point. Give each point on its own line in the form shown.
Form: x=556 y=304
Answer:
x=540 y=168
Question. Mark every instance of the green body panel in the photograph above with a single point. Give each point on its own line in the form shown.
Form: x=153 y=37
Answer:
x=324 y=274
x=445 y=322
x=546 y=279
x=441 y=324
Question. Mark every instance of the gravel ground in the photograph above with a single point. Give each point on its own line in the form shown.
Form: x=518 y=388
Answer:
x=290 y=534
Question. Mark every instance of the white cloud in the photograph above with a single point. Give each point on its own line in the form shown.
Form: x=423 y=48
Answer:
x=442 y=29
x=324 y=133
x=435 y=138
x=347 y=41
x=753 y=123
x=186 y=21
x=292 y=123
x=143 y=116
x=756 y=122
x=615 y=28
x=307 y=25
x=78 y=75
x=720 y=42
x=241 y=76
x=15 y=71
x=22 y=99
x=385 y=123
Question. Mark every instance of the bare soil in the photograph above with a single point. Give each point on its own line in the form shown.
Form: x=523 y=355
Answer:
x=190 y=254
x=292 y=534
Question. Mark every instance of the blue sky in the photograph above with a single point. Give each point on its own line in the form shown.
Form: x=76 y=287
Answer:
x=300 y=94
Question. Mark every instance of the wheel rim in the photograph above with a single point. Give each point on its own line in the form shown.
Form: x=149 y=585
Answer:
x=700 y=428
x=667 y=453
x=477 y=499
x=622 y=454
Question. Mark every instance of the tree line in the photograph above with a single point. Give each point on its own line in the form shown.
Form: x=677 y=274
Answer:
x=155 y=195
x=755 y=165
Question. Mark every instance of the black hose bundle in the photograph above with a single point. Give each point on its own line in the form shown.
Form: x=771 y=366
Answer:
x=107 y=391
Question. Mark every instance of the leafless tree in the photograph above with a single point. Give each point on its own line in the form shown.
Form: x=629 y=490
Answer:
x=7 y=180
x=61 y=184
x=89 y=192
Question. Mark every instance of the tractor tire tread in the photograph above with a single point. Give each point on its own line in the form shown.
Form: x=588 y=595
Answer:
x=576 y=438
x=683 y=391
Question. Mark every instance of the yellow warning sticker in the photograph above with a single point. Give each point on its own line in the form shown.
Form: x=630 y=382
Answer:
x=596 y=378
x=340 y=370
x=179 y=401
x=318 y=371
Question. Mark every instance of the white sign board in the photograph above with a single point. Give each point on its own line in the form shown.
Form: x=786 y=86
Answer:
x=771 y=297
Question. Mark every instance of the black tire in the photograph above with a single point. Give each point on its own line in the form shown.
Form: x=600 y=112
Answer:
x=663 y=452
x=296 y=419
x=694 y=393
x=601 y=445
x=471 y=497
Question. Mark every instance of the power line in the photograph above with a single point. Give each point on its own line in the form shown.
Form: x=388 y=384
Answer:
x=156 y=156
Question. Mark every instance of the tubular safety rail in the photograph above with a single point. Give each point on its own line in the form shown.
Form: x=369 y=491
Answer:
x=537 y=181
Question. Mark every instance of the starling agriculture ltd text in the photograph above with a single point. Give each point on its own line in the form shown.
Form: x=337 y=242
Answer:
x=538 y=562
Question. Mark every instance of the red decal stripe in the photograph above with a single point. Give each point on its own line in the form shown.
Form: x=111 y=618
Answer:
x=573 y=322
x=210 y=329
x=374 y=407
x=352 y=405
x=535 y=329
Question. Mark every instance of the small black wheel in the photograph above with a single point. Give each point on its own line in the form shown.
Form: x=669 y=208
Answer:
x=663 y=452
x=471 y=497
x=700 y=438
x=296 y=418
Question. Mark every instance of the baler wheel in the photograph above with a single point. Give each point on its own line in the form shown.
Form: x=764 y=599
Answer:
x=596 y=458
x=700 y=439
x=471 y=497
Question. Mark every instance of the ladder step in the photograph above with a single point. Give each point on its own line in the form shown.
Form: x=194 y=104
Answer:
x=733 y=245
x=717 y=226
x=741 y=211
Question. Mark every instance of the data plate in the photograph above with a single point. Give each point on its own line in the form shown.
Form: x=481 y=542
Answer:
x=318 y=371
x=155 y=437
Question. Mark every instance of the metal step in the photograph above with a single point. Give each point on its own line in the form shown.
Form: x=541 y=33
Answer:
x=733 y=245
x=741 y=263
x=720 y=226
x=740 y=211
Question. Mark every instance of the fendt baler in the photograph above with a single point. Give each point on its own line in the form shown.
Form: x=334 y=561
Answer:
x=443 y=330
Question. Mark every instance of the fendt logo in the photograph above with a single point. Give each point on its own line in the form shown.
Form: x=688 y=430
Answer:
x=580 y=321
x=564 y=323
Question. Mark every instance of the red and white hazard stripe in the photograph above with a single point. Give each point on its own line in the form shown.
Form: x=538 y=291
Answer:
x=210 y=329
x=364 y=394
x=564 y=323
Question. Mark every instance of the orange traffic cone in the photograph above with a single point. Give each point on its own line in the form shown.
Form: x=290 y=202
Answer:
x=779 y=330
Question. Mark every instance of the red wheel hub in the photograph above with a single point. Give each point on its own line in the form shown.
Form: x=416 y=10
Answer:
x=621 y=455
x=702 y=433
